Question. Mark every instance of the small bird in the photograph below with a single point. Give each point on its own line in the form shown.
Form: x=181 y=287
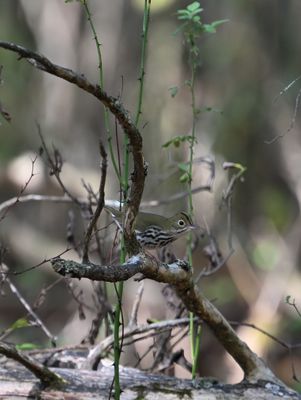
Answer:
x=154 y=231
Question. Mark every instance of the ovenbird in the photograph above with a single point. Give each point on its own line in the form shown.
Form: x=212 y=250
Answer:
x=154 y=230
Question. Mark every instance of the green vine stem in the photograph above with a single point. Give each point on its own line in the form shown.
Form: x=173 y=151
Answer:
x=119 y=288
x=193 y=28
x=194 y=339
x=123 y=182
x=146 y=18
x=101 y=84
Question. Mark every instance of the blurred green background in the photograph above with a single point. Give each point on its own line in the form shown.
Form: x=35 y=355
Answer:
x=245 y=67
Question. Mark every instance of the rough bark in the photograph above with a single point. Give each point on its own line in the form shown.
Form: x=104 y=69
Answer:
x=18 y=383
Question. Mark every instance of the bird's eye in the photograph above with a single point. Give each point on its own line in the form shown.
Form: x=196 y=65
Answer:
x=181 y=223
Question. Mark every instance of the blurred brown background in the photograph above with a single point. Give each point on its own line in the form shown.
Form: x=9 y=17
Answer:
x=245 y=66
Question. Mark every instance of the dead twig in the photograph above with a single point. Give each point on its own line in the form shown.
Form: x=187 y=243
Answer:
x=100 y=203
x=27 y=307
x=17 y=199
x=55 y=163
x=288 y=346
x=293 y=119
x=98 y=351
x=136 y=305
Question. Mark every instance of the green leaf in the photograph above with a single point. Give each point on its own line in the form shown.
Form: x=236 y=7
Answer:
x=20 y=323
x=194 y=7
x=184 y=178
x=190 y=12
x=173 y=90
x=181 y=17
x=177 y=140
x=176 y=143
x=208 y=109
x=211 y=28
x=180 y=28
x=182 y=12
x=183 y=167
x=26 y=346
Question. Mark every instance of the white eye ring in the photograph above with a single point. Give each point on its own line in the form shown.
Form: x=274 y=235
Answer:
x=181 y=223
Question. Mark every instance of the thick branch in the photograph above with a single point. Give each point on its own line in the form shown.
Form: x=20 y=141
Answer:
x=44 y=374
x=83 y=384
x=178 y=275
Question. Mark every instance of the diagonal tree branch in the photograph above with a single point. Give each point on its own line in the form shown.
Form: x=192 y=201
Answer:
x=47 y=377
x=178 y=274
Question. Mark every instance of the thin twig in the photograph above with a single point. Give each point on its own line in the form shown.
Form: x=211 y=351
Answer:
x=282 y=343
x=100 y=203
x=40 y=198
x=8 y=206
x=293 y=119
x=27 y=307
x=283 y=91
x=51 y=199
x=46 y=260
x=136 y=305
x=101 y=348
x=55 y=163
x=36 y=305
x=293 y=304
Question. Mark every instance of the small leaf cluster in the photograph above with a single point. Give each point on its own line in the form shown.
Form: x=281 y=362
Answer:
x=193 y=27
x=186 y=175
x=183 y=166
x=178 y=140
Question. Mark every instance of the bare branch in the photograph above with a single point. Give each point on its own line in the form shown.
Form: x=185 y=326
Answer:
x=100 y=203
x=96 y=352
x=293 y=304
x=25 y=304
x=177 y=274
x=44 y=374
x=293 y=119
x=49 y=199
x=16 y=199
x=55 y=163
x=134 y=313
